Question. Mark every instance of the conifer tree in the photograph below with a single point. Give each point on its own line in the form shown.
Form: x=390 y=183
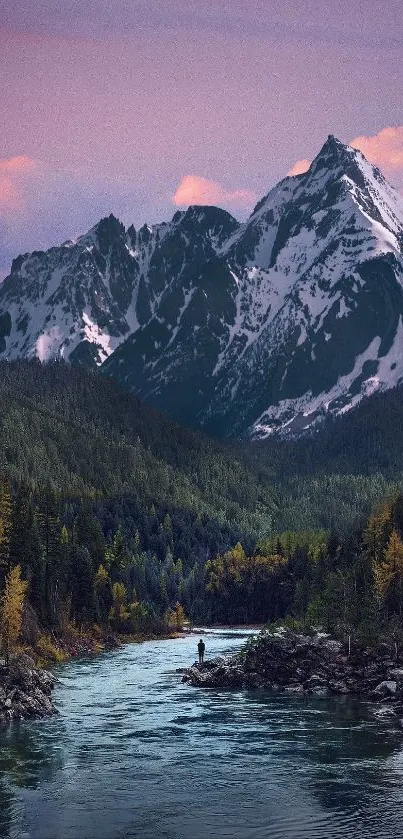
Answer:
x=103 y=593
x=5 y=525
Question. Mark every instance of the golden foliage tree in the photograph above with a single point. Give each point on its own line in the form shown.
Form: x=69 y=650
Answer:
x=378 y=532
x=12 y=603
x=176 y=617
x=388 y=574
x=101 y=577
x=118 y=611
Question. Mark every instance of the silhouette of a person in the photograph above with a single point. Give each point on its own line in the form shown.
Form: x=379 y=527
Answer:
x=200 y=648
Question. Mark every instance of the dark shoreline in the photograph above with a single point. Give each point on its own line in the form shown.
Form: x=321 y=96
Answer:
x=284 y=661
x=25 y=690
x=26 y=684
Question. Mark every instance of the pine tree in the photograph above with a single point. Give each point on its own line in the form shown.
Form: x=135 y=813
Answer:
x=81 y=584
x=6 y=507
x=103 y=593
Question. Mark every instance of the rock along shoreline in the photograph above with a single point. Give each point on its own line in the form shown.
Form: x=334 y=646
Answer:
x=285 y=661
x=25 y=690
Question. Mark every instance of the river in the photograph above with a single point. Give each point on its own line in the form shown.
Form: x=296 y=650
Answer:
x=136 y=754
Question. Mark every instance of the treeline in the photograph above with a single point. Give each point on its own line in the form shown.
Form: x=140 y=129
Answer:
x=114 y=563
x=354 y=584
x=78 y=433
x=86 y=563
x=363 y=441
x=116 y=517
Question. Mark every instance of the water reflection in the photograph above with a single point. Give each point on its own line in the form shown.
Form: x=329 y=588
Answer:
x=26 y=761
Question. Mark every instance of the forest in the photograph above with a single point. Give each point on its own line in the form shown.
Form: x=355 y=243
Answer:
x=113 y=517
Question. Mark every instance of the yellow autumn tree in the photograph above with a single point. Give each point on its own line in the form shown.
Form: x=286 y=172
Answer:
x=118 y=613
x=101 y=577
x=227 y=571
x=119 y=597
x=378 y=532
x=388 y=574
x=12 y=604
x=176 y=617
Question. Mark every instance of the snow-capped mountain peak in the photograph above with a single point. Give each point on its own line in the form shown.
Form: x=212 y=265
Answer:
x=240 y=329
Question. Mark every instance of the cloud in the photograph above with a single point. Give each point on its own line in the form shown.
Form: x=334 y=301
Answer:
x=17 y=165
x=300 y=167
x=194 y=189
x=384 y=149
x=13 y=170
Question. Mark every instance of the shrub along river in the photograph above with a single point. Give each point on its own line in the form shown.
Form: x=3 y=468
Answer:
x=134 y=752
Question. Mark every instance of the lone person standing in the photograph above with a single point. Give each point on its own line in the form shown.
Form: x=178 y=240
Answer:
x=201 y=647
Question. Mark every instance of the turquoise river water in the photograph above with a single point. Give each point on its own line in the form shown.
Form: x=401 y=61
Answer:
x=133 y=752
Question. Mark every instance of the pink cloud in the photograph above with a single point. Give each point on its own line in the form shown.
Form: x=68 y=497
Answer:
x=12 y=170
x=194 y=189
x=17 y=165
x=384 y=149
x=300 y=167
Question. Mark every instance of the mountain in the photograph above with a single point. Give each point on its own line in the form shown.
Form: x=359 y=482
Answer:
x=238 y=329
x=81 y=300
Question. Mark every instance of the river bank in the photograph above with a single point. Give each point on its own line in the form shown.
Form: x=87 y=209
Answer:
x=50 y=649
x=25 y=690
x=26 y=684
x=284 y=661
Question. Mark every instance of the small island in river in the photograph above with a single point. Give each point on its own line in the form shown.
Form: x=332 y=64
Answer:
x=282 y=660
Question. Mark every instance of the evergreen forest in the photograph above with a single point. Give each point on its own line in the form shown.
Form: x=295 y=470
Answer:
x=118 y=519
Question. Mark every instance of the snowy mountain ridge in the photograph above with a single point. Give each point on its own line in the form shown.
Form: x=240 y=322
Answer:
x=79 y=300
x=241 y=329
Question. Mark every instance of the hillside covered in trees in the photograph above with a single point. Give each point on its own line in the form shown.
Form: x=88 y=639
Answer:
x=115 y=517
x=353 y=461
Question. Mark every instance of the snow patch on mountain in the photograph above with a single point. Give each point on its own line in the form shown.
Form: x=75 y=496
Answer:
x=238 y=328
x=295 y=415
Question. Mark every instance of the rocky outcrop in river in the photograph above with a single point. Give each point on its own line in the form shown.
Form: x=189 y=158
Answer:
x=287 y=661
x=25 y=690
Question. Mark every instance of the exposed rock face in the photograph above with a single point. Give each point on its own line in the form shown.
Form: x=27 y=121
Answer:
x=25 y=691
x=306 y=664
x=298 y=313
x=239 y=329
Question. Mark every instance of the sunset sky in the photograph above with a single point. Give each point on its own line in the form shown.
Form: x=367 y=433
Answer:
x=138 y=107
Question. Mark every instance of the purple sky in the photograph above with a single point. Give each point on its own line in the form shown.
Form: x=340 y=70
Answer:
x=111 y=105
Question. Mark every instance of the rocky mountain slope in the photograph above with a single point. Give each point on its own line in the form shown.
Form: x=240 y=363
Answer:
x=238 y=329
x=82 y=299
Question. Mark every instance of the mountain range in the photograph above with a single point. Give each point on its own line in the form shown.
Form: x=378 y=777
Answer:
x=239 y=329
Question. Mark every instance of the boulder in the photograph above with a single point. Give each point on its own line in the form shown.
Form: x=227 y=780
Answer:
x=25 y=690
x=396 y=673
x=386 y=688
